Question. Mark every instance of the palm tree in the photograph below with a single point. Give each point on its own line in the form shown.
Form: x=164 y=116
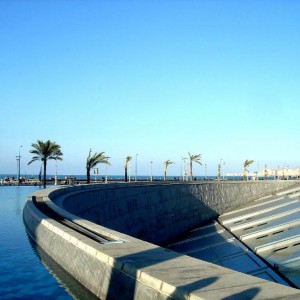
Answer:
x=44 y=151
x=127 y=160
x=166 y=164
x=266 y=172
x=92 y=161
x=194 y=158
x=247 y=163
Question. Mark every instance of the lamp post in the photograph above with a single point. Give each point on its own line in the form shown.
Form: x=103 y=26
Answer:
x=18 y=157
x=184 y=172
x=205 y=173
x=219 y=175
x=129 y=170
x=55 y=176
x=106 y=173
x=181 y=171
x=136 y=167
x=151 y=170
x=96 y=171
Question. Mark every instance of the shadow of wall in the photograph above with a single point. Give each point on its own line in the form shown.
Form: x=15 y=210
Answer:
x=162 y=212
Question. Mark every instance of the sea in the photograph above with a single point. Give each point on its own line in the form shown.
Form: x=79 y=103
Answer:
x=118 y=177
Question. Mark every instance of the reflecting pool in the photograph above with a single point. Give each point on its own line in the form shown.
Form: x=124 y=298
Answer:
x=26 y=271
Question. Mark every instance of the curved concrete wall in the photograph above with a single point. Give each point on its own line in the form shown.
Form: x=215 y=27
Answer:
x=159 y=213
x=136 y=269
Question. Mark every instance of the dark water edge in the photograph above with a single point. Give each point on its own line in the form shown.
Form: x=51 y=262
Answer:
x=26 y=271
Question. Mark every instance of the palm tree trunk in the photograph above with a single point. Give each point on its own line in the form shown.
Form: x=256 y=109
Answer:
x=45 y=172
x=125 y=174
x=88 y=176
x=191 y=170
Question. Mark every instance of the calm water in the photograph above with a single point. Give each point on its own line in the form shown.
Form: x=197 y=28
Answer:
x=26 y=272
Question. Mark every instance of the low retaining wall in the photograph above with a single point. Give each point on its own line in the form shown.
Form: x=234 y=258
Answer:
x=158 y=213
x=136 y=269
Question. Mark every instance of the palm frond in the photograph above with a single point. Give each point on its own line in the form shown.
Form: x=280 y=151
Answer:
x=168 y=162
x=97 y=158
x=248 y=163
x=195 y=158
x=44 y=151
x=127 y=160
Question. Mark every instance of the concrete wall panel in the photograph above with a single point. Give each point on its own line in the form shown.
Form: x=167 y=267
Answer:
x=158 y=213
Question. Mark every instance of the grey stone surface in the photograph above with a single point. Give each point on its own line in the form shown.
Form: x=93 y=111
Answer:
x=158 y=213
x=137 y=269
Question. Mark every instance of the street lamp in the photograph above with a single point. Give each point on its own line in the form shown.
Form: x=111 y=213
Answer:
x=184 y=172
x=136 y=166
x=105 y=173
x=129 y=171
x=55 y=177
x=151 y=170
x=18 y=157
x=219 y=175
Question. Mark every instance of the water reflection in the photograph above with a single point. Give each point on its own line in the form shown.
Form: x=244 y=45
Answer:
x=22 y=269
x=64 y=279
x=18 y=202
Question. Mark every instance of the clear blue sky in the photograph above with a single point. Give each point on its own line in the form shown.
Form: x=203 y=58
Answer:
x=157 y=78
